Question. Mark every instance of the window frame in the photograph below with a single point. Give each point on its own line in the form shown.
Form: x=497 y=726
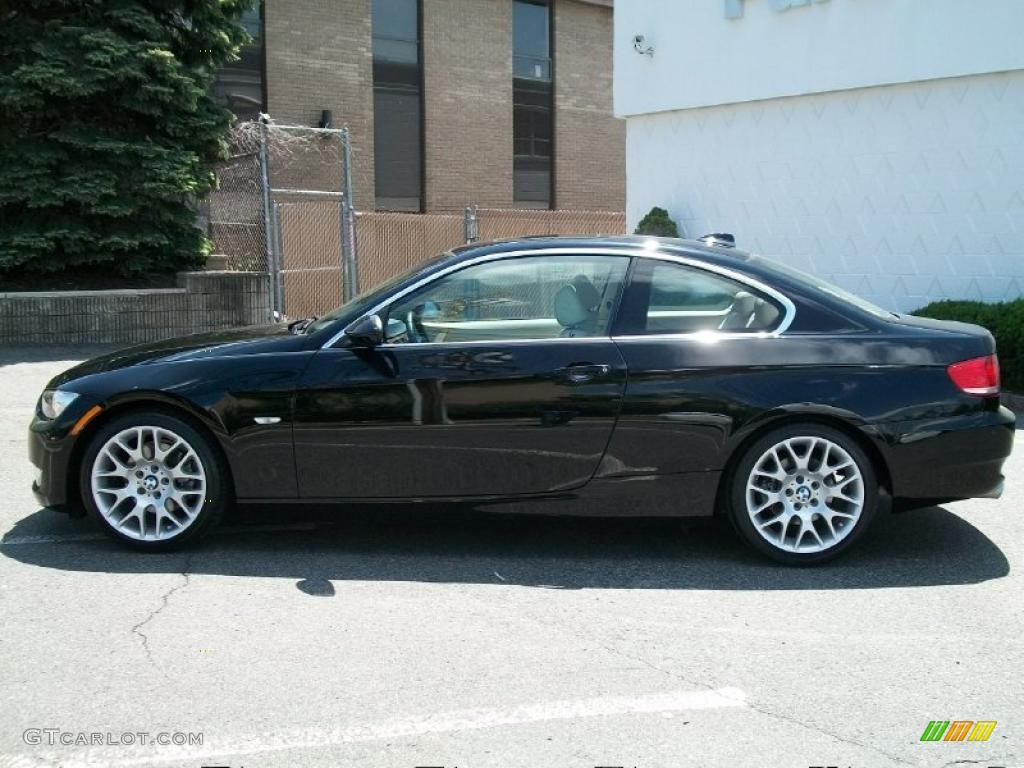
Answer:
x=385 y=86
x=636 y=302
x=384 y=309
x=217 y=82
x=544 y=89
x=633 y=252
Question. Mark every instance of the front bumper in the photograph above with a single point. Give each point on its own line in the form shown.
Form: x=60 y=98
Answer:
x=995 y=493
x=51 y=450
x=957 y=457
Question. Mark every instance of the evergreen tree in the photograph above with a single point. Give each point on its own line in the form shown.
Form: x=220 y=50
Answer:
x=108 y=132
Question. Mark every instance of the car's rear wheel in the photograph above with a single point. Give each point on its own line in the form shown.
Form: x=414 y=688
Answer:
x=803 y=494
x=153 y=481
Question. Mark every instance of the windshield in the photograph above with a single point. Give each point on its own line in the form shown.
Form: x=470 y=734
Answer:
x=365 y=301
x=823 y=286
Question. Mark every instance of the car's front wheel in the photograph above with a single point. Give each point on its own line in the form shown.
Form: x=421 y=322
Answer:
x=153 y=480
x=803 y=494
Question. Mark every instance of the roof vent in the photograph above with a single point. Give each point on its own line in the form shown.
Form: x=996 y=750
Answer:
x=723 y=239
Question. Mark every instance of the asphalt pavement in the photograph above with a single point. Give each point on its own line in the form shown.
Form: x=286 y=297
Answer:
x=447 y=637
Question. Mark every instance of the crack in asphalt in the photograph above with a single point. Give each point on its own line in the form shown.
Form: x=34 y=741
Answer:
x=760 y=709
x=763 y=710
x=825 y=732
x=164 y=600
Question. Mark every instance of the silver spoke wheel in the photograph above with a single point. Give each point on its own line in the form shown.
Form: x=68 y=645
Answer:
x=148 y=483
x=805 y=494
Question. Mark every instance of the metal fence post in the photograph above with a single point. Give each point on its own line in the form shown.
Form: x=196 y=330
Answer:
x=349 y=263
x=471 y=224
x=277 y=262
x=264 y=170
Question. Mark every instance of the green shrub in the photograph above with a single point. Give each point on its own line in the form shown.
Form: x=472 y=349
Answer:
x=1004 y=320
x=657 y=222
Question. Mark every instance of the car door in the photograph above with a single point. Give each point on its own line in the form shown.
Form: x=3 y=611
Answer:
x=694 y=340
x=497 y=378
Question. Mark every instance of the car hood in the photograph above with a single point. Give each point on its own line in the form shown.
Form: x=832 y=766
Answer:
x=231 y=342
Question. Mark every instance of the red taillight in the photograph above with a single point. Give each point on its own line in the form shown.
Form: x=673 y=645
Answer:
x=977 y=376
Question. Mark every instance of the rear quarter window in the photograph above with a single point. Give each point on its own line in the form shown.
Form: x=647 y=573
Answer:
x=670 y=298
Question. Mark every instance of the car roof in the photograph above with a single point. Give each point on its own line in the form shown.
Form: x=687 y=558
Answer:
x=714 y=254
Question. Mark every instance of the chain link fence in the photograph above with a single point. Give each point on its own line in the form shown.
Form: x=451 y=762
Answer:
x=390 y=243
x=501 y=224
x=284 y=207
x=234 y=211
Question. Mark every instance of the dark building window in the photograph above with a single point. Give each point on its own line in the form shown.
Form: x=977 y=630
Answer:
x=532 y=125
x=239 y=85
x=397 y=105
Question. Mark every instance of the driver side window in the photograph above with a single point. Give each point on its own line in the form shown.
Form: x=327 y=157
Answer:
x=529 y=297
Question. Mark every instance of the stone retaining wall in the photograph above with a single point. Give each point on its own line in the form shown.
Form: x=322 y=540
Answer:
x=202 y=301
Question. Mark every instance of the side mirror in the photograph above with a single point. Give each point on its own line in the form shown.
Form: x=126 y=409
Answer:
x=367 y=331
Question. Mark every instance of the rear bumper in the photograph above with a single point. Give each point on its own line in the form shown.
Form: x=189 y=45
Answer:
x=957 y=457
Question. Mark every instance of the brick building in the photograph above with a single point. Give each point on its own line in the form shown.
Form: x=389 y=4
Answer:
x=501 y=103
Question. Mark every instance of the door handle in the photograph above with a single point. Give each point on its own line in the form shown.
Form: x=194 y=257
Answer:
x=580 y=373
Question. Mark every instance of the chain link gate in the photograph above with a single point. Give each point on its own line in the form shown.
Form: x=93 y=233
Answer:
x=310 y=217
x=283 y=206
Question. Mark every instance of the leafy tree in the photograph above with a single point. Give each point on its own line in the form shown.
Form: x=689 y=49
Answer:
x=657 y=222
x=108 y=132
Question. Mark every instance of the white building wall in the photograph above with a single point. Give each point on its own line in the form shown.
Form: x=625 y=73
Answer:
x=903 y=193
x=876 y=142
x=708 y=52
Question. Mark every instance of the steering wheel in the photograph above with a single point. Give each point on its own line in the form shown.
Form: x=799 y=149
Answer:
x=414 y=325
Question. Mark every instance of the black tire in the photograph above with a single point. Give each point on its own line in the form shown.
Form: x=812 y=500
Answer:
x=737 y=495
x=213 y=504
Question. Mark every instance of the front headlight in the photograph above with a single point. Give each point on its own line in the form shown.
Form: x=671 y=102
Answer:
x=54 y=401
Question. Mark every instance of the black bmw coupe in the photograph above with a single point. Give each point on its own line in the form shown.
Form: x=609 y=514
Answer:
x=596 y=376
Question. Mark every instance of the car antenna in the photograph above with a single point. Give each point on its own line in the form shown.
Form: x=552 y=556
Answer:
x=723 y=239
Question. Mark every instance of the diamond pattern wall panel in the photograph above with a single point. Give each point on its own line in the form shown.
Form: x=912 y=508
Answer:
x=904 y=194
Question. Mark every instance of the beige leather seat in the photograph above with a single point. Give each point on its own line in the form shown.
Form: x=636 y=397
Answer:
x=766 y=315
x=740 y=313
x=576 y=305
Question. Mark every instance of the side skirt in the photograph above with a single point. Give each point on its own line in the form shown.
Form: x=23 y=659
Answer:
x=687 y=494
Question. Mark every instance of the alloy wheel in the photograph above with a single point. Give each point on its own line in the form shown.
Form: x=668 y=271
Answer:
x=805 y=494
x=148 y=483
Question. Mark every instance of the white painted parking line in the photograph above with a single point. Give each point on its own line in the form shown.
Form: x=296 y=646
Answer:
x=408 y=727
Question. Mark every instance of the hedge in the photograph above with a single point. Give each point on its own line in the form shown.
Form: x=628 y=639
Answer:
x=1005 y=320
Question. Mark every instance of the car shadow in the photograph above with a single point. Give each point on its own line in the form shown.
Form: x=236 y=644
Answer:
x=317 y=547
